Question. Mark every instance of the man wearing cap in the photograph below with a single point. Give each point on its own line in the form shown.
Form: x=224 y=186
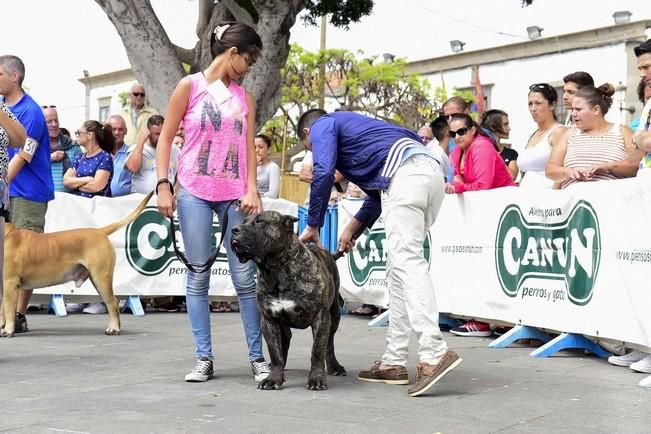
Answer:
x=403 y=178
x=137 y=113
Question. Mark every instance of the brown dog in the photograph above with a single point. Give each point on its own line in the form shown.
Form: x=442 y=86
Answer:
x=34 y=260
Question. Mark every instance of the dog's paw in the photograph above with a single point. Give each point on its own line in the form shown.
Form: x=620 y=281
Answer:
x=4 y=333
x=270 y=384
x=337 y=370
x=112 y=332
x=316 y=383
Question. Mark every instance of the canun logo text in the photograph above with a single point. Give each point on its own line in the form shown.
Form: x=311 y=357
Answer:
x=537 y=251
x=148 y=243
x=370 y=255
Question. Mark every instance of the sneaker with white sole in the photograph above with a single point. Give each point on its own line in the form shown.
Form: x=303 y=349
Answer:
x=261 y=369
x=75 y=307
x=202 y=371
x=95 y=308
x=646 y=382
x=643 y=365
x=627 y=359
x=473 y=328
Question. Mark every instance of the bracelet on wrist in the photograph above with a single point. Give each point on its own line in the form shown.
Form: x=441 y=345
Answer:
x=164 y=181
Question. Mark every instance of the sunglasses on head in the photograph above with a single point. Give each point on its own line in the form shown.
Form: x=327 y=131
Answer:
x=142 y=94
x=48 y=106
x=460 y=132
x=541 y=86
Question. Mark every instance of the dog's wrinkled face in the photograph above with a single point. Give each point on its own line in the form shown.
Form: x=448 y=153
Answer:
x=262 y=235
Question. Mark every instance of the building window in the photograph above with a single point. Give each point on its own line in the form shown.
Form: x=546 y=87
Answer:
x=104 y=109
x=561 y=111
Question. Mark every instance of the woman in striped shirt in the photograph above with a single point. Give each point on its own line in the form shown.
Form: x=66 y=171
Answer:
x=595 y=149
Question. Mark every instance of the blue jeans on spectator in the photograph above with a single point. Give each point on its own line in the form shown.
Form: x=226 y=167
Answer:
x=195 y=218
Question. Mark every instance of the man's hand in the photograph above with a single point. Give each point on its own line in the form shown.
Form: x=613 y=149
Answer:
x=449 y=189
x=346 y=241
x=643 y=141
x=57 y=155
x=311 y=234
x=143 y=137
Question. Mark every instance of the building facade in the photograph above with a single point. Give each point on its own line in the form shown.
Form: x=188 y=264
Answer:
x=506 y=72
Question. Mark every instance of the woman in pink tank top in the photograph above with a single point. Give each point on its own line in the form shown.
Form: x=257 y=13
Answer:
x=216 y=166
x=595 y=149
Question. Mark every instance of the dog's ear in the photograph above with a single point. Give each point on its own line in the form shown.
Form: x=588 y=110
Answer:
x=288 y=222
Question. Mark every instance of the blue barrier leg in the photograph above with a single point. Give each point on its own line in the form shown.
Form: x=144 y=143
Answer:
x=518 y=332
x=446 y=322
x=380 y=320
x=566 y=341
x=134 y=305
x=57 y=305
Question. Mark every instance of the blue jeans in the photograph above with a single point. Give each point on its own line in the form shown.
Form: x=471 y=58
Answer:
x=195 y=219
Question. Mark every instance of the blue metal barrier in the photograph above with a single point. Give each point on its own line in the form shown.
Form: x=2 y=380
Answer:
x=328 y=234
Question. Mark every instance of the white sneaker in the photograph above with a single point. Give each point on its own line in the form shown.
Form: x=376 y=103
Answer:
x=95 y=308
x=260 y=369
x=643 y=365
x=646 y=382
x=75 y=307
x=627 y=359
x=202 y=371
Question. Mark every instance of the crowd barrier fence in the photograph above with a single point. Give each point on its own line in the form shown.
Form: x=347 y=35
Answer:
x=575 y=261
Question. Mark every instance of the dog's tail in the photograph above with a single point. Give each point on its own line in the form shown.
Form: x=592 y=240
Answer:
x=128 y=219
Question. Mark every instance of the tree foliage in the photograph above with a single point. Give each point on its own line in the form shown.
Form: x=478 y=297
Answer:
x=354 y=82
x=158 y=63
x=341 y=13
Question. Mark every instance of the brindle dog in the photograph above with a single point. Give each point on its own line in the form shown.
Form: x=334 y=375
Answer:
x=298 y=287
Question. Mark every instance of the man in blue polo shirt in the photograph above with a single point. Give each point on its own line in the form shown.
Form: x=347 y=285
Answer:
x=30 y=175
x=404 y=178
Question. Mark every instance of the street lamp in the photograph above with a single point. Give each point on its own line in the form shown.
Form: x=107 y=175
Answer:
x=534 y=32
x=457 y=45
x=622 y=17
x=621 y=91
x=388 y=57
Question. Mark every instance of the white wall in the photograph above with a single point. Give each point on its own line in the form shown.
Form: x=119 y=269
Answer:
x=511 y=81
x=108 y=91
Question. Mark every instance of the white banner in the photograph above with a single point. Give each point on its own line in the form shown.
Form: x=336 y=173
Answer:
x=576 y=260
x=146 y=263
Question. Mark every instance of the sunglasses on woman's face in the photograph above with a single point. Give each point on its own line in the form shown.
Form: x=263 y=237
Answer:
x=460 y=132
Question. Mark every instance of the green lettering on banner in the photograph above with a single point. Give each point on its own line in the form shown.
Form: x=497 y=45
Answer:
x=567 y=250
x=148 y=244
x=370 y=255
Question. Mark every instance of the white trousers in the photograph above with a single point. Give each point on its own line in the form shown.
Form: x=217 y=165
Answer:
x=410 y=206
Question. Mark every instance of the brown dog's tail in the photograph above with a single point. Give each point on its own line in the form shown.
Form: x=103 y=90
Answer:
x=108 y=230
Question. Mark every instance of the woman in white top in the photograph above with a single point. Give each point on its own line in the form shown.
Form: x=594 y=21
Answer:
x=533 y=158
x=268 y=171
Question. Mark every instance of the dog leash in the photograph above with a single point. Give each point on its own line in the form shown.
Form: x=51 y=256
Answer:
x=213 y=257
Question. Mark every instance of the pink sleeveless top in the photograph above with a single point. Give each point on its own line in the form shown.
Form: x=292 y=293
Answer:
x=212 y=163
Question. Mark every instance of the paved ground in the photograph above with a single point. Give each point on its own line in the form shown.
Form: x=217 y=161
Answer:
x=65 y=376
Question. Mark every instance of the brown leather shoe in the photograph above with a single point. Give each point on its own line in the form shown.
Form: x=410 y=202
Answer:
x=427 y=375
x=390 y=374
